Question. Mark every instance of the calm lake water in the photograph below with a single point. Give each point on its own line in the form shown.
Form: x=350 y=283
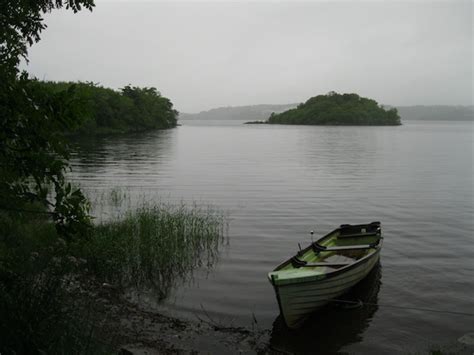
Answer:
x=279 y=182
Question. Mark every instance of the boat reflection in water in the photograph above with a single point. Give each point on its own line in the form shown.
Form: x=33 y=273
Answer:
x=334 y=326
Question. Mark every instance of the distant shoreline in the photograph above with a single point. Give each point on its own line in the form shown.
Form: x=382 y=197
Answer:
x=323 y=124
x=256 y=113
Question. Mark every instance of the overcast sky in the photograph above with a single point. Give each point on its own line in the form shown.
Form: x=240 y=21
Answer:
x=205 y=55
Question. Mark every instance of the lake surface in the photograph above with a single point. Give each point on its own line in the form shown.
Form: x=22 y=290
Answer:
x=279 y=182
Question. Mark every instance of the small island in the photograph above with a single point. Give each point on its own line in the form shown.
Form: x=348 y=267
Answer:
x=256 y=122
x=338 y=109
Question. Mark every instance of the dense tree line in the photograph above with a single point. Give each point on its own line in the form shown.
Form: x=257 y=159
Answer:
x=105 y=110
x=338 y=109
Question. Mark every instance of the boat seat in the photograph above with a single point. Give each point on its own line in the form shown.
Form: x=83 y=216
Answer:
x=355 y=235
x=297 y=263
x=364 y=230
x=318 y=248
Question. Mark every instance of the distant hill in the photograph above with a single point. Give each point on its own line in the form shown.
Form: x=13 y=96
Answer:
x=437 y=113
x=263 y=112
x=338 y=110
x=250 y=113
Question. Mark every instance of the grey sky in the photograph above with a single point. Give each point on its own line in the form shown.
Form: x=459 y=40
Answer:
x=205 y=55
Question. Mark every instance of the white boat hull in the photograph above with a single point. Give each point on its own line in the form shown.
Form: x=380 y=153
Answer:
x=298 y=300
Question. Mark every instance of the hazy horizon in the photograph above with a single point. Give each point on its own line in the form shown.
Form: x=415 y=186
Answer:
x=296 y=103
x=220 y=54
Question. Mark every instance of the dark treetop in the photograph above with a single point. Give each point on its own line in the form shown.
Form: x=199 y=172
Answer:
x=338 y=109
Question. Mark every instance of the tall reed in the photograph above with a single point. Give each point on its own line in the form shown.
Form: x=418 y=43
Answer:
x=155 y=246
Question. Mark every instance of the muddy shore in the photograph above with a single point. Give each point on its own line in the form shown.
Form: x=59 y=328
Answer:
x=128 y=328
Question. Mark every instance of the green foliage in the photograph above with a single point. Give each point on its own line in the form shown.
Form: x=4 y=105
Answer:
x=337 y=109
x=33 y=155
x=130 y=109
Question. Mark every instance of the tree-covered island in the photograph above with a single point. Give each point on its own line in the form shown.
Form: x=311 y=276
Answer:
x=107 y=111
x=338 y=109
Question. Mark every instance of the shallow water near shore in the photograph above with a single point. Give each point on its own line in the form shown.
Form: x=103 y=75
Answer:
x=277 y=183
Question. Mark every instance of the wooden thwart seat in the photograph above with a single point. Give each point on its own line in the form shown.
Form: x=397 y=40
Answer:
x=361 y=230
x=355 y=235
x=318 y=248
x=296 y=262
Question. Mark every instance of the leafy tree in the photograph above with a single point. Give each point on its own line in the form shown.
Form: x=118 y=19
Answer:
x=33 y=155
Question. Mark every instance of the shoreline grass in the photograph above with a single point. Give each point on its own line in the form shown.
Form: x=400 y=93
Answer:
x=155 y=246
x=47 y=294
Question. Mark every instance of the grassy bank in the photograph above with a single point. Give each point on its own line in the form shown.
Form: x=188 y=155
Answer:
x=49 y=287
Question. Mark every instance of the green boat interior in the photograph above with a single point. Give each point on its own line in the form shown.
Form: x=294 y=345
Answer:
x=338 y=249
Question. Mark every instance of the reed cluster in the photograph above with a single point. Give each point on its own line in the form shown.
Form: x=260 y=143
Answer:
x=155 y=246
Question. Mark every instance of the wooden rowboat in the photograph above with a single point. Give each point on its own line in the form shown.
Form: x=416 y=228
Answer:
x=325 y=270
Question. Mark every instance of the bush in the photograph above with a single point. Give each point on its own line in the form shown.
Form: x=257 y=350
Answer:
x=38 y=308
